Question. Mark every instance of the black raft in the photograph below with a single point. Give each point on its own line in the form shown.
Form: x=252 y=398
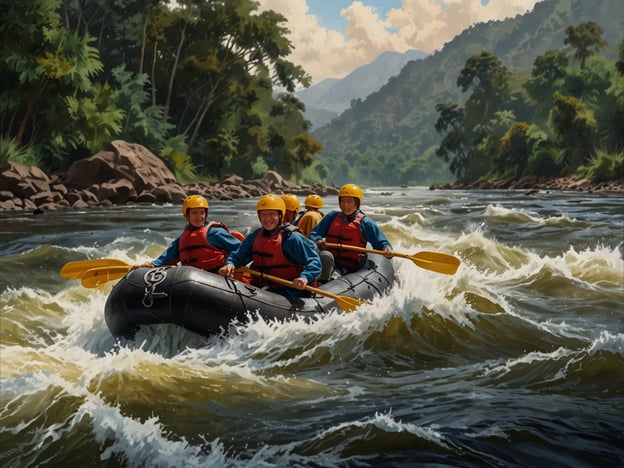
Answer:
x=207 y=303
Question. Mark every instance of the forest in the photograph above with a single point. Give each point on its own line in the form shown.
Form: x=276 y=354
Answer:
x=195 y=83
x=566 y=119
x=192 y=82
x=502 y=98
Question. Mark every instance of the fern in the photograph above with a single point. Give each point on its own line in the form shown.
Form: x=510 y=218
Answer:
x=10 y=150
x=603 y=166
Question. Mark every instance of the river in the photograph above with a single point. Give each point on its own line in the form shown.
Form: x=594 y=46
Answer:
x=515 y=360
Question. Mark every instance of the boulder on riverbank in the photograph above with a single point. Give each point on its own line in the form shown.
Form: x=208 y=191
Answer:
x=123 y=173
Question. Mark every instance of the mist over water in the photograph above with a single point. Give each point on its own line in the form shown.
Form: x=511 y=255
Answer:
x=517 y=359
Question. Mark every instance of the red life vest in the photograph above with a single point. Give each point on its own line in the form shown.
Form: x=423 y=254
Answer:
x=348 y=233
x=268 y=257
x=195 y=250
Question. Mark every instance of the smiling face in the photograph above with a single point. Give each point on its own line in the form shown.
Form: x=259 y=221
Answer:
x=197 y=216
x=269 y=219
x=348 y=205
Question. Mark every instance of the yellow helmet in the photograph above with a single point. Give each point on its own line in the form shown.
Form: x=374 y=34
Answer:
x=194 y=201
x=271 y=202
x=313 y=201
x=291 y=202
x=351 y=190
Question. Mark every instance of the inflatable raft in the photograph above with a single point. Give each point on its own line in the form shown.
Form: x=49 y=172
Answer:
x=207 y=303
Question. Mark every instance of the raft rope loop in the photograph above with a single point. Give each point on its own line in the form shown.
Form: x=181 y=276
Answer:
x=152 y=279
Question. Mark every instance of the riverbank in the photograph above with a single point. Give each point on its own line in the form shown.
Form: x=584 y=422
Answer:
x=125 y=173
x=533 y=184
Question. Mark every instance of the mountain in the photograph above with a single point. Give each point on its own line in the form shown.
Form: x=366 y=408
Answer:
x=397 y=121
x=328 y=98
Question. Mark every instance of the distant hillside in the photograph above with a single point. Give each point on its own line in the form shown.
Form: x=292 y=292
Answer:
x=328 y=98
x=398 y=120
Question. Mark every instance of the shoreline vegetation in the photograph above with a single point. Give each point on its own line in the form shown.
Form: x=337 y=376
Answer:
x=124 y=173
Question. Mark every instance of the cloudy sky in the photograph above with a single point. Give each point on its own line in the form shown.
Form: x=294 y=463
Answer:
x=331 y=38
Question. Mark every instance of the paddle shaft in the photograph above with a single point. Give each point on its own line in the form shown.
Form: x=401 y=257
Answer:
x=348 y=304
x=434 y=261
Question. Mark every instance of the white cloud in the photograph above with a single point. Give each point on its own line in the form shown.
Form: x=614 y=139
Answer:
x=424 y=25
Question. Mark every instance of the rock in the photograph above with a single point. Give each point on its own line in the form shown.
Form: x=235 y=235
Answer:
x=119 y=191
x=125 y=173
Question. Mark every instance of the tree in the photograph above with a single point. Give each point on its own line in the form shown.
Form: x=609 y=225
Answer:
x=574 y=130
x=620 y=63
x=586 y=40
x=44 y=70
x=212 y=67
x=488 y=79
x=546 y=77
x=515 y=149
x=452 y=149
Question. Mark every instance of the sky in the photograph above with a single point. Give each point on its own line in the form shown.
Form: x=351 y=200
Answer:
x=331 y=38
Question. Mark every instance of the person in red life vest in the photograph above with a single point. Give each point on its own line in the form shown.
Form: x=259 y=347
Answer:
x=349 y=226
x=311 y=216
x=203 y=244
x=292 y=208
x=278 y=249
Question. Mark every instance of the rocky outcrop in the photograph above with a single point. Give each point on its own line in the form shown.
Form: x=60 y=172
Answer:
x=125 y=173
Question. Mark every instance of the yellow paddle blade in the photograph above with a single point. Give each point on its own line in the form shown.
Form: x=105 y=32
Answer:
x=346 y=303
x=97 y=276
x=74 y=270
x=435 y=261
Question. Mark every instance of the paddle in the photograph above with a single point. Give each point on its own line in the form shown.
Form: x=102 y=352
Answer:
x=97 y=276
x=434 y=261
x=74 y=270
x=348 y=304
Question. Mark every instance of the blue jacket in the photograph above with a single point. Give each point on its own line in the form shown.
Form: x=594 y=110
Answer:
x=368 y=227
x=297 y=248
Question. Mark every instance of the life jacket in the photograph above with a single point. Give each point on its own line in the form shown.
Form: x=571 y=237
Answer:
x=348 y=233
x=268 y=256
x=195 y=250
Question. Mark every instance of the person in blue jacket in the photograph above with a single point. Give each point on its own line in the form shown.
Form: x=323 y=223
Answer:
x=347 y=226
x=202 y=244
x=278 y=249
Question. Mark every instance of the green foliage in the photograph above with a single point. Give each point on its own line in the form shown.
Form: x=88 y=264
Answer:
x=603 y=166
x=586 y=40
x=174 y=155
x=547 y=76
x=546 y=160
x=259 y=167
x=514 y=150
x=201 y=70
x=620 y=63
x=10 y=150
x=98 y=118
x=399 y=120
x=574 y=129
x=196 y=80
x=143 y=123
